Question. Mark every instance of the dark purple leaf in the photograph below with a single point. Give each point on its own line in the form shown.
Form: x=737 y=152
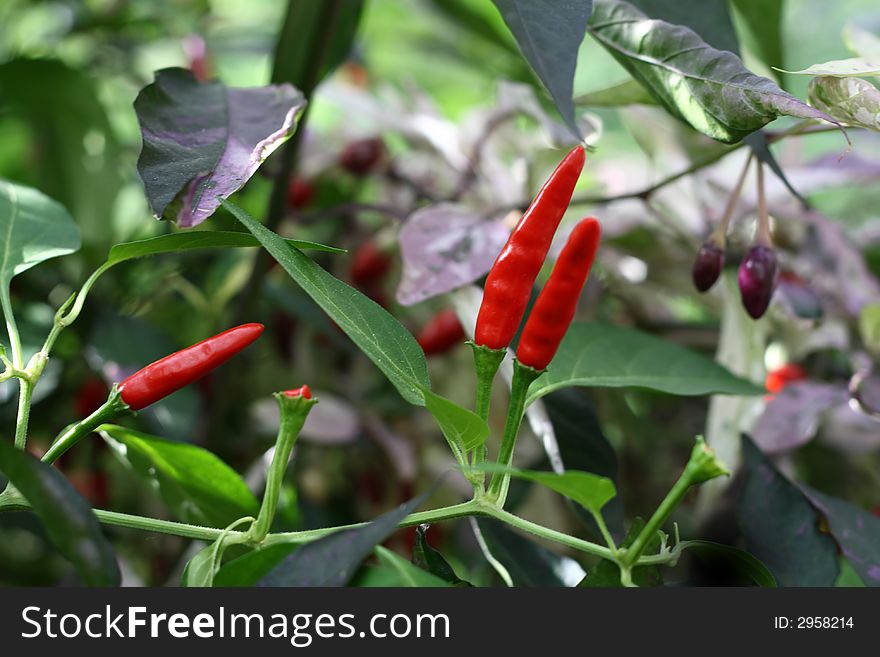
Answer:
x=792 y=416
x=856 y=531
x=332 y=560
x=445 y=246
x=780 y=526
x=202 y=141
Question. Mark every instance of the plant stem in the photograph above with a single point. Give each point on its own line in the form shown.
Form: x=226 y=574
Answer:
x=763 y=233
x=519 y=388
x=25 y=392
x=11 y=328
x=76 y=432
x=486 y=362
x=603 y=529
x=721 y=232
x=549 y=534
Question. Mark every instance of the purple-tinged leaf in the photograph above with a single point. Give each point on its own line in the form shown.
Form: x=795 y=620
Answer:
x=780 y=526
x=856 y=531
x=445 y=246
x=792 y=416
x=202 y=141
x=333 y=559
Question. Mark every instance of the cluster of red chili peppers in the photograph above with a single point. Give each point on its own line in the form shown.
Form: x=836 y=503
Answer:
x=506 y=296
x=758 y=270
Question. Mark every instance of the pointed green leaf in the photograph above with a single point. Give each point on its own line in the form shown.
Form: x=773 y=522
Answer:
x=372 y=328
x=590 y=491
x=408 y=575
x=196 y=485
x=854 y=66
x=462 y=428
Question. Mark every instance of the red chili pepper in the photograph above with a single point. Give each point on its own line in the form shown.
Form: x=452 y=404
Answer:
x=303 y=391
x=780 y=377
x=369 y=264
x=443 y=332
x=557 y=302
x=359 y=157
x=510 y=280
x=169 y=374
x=300 y=193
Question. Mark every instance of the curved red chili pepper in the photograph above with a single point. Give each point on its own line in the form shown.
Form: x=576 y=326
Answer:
x=443 y=332
x=557 y=302
x=510 y=280
x=303 y=391
x=169 y=374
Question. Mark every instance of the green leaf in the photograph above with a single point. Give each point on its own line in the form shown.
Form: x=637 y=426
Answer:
x=707 y=88
x=334 y=559
x=315 y=38
x=199 y=570
x=590 y=491
x=250 y=568
x=67 y=517
x=760 y=23
x=851 y=100
x=198 y=239
x=375 y=331
x=197 y=486
x=736 y=559
x=408 y=575
x=528 y=563
x=549 y=34
x=463 y=429
x=856 y=531
x=598 y=355
x=780 y=526
x=856 y=66
x=606 y=574
x=431 y=560
x=34 y=228
x=619 y=95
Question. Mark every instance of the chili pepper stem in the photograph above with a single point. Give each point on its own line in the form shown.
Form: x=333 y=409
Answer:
x=719 y=235
x=294 y=411
x=762 y=235
x=519 y=387
x=111 y=408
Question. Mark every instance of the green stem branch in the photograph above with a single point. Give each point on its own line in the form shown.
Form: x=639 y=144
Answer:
x=76 y=432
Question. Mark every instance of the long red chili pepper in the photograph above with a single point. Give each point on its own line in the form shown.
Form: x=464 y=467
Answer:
x=510 y=280
x=169 y=374
x=556 y=304
x=443 y=332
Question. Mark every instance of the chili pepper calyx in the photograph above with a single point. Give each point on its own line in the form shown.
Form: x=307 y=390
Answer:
x=704 y=464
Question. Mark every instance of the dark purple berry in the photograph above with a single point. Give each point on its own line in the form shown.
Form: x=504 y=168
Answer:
x=707 y=266
x=757 y=276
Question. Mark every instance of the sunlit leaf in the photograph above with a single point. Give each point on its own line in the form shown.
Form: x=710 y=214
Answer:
x=851 y=100
x=196 y=485
x=708 y=88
